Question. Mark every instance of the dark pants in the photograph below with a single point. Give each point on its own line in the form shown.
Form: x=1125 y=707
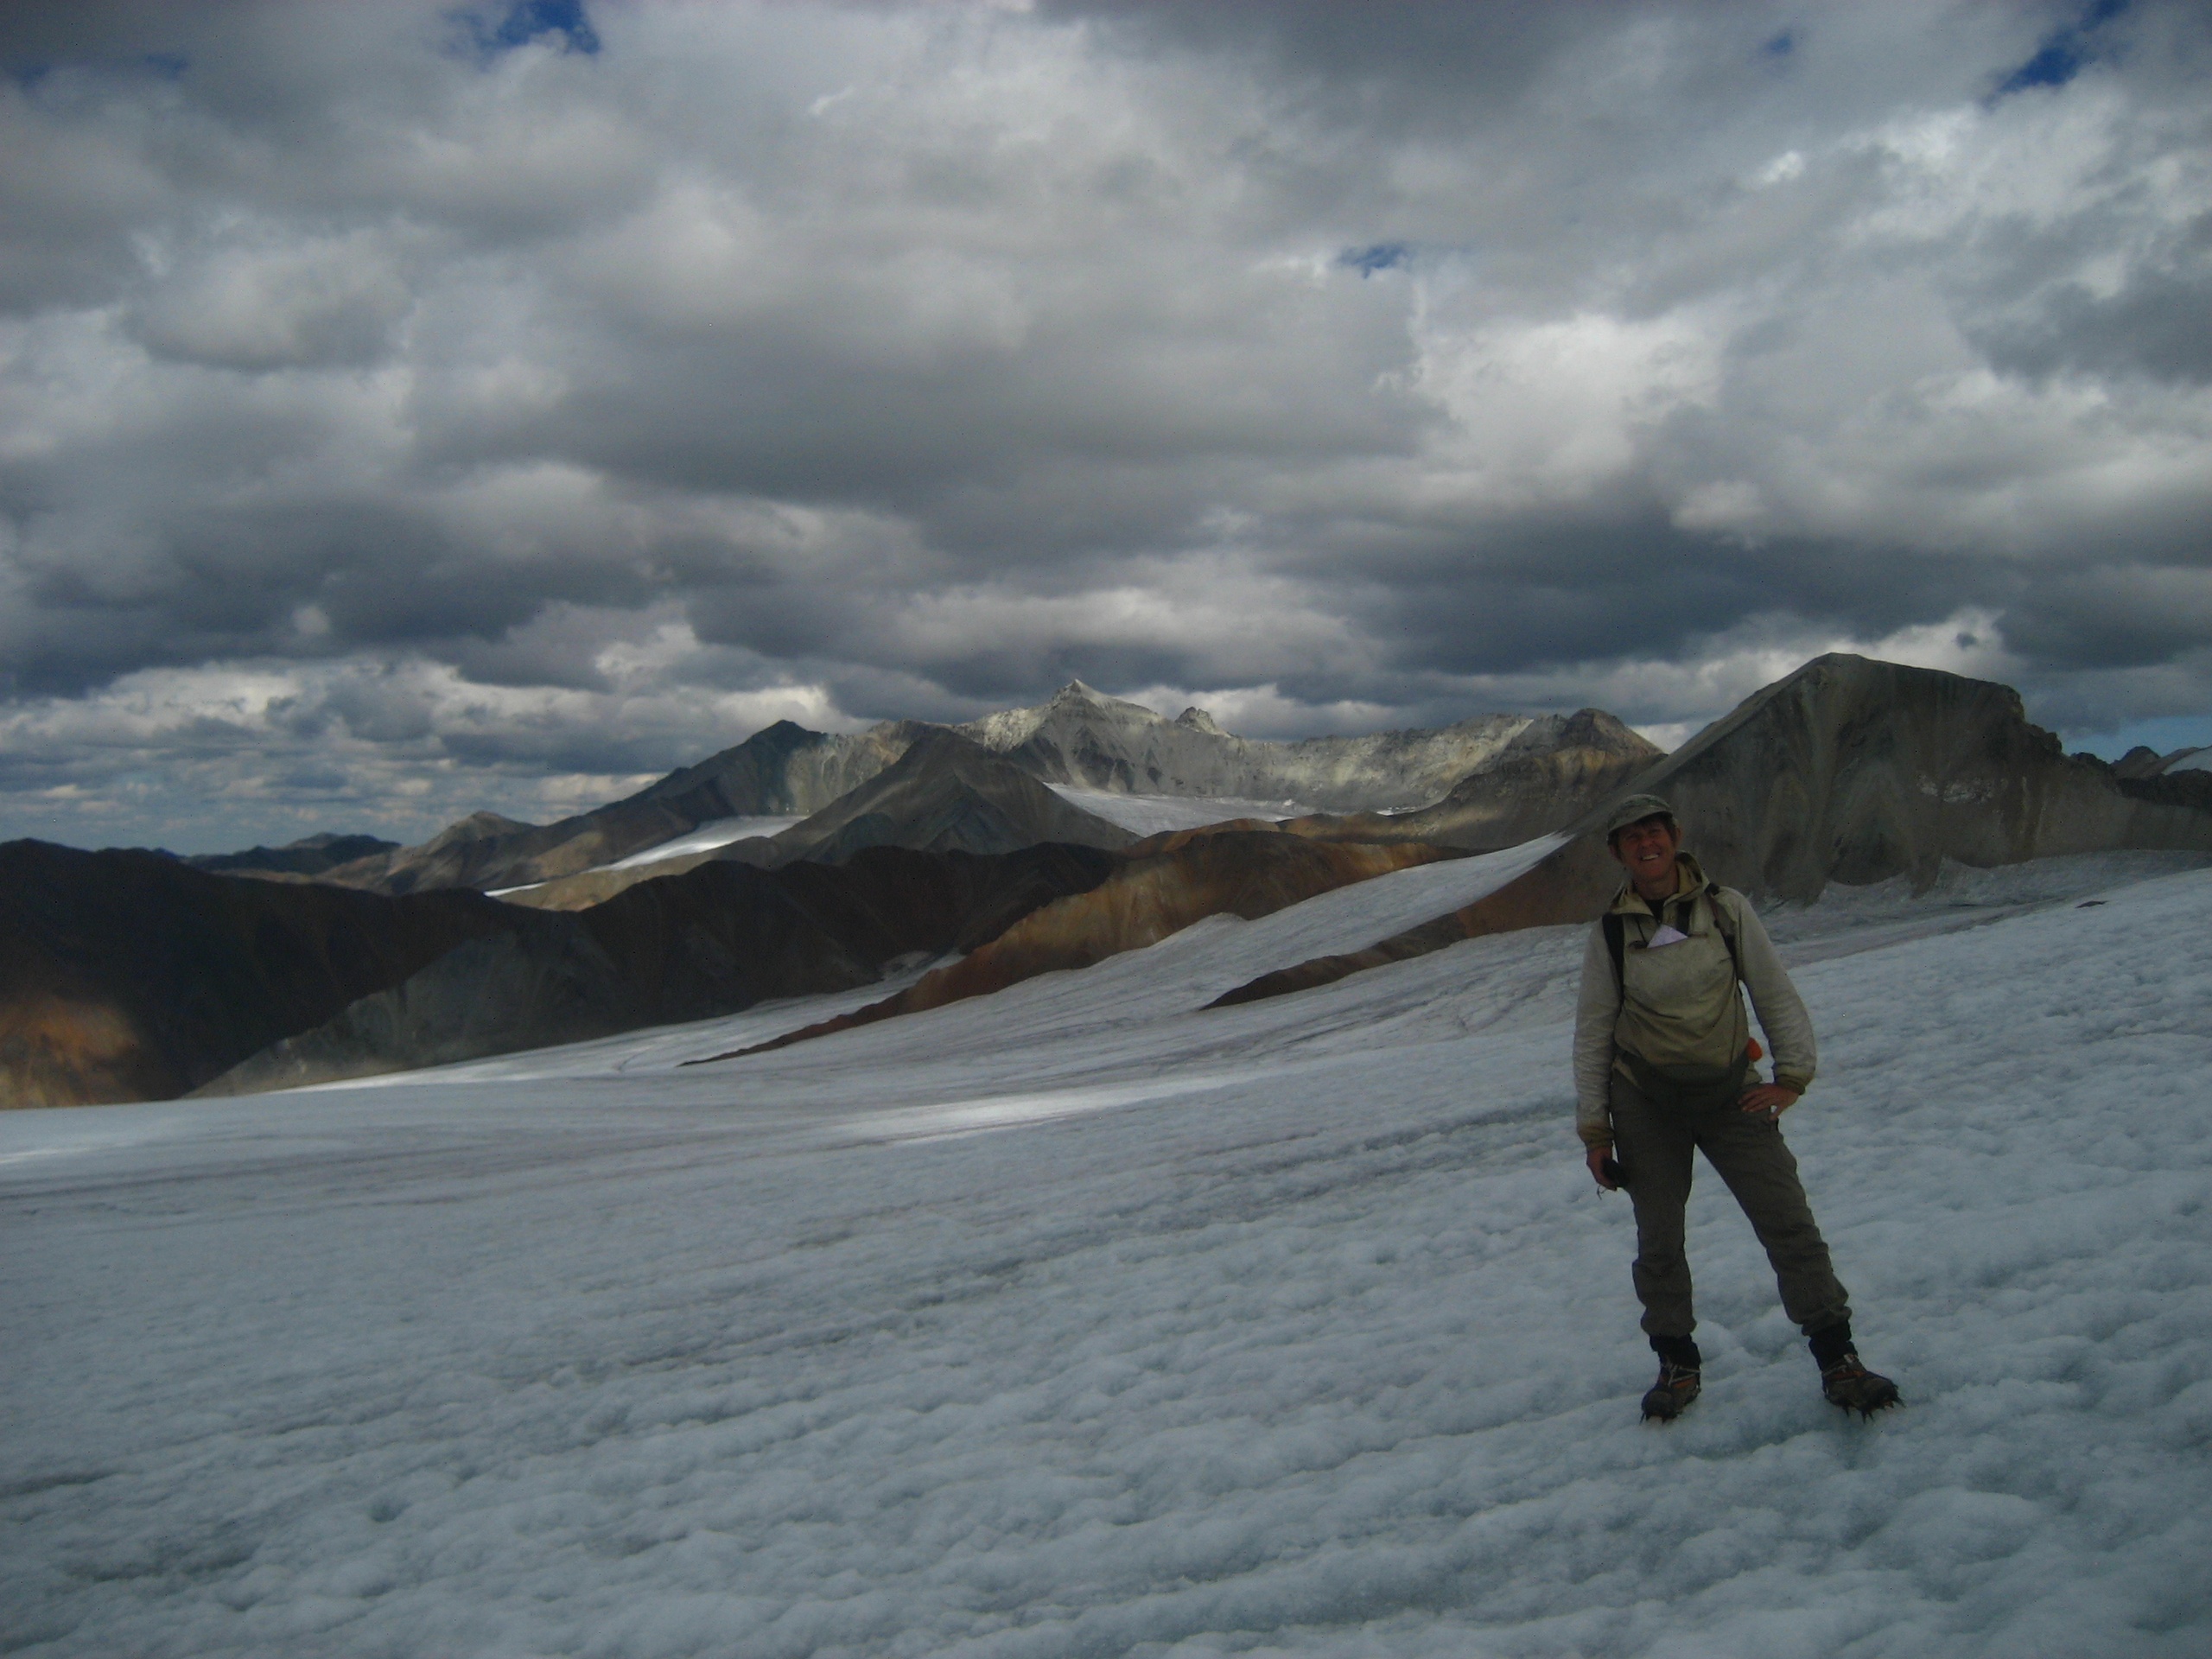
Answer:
x=1654 y=1139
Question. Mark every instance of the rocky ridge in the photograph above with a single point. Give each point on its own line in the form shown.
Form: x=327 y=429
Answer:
x=1084 y=737
x=1850 y=771
x=945 y=794
x=1554 y=769
x=1079 y=737
x=714 y=940
x=128 y=976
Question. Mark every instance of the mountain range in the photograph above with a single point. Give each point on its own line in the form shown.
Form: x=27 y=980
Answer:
x=964 y=851
x=1848 y=771
x=1079 y=738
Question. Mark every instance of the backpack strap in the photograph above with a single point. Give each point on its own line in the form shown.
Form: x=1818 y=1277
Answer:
x=1721 y=926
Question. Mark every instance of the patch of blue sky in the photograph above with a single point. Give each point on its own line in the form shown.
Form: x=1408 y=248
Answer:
x=525 y=21
x=2165 y=735
x=2064 y=52
x=165 y=65
x=1376 y=257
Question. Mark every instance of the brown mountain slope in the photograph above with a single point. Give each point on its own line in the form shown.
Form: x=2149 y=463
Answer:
x=127 y=976
x=1849 y=770
x=1238 y=874
x=712 y=941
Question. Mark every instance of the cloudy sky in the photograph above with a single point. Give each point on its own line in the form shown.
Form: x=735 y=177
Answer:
x=407 y=408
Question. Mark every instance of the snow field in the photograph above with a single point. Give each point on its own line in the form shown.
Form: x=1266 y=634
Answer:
x=1150 y=815
x=1072 y=1322
x=715 y=832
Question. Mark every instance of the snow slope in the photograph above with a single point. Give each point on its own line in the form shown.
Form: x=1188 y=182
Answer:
x=717 y=832
x=1073 y=1322
x=1149 y=814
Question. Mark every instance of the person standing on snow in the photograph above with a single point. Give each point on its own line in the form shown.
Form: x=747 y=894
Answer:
x=1662 y=1066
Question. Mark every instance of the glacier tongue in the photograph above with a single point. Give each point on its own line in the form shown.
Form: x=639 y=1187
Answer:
x=1074 y=1322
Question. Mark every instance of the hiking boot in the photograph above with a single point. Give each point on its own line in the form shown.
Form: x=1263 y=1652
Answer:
x=1677 y=1386
x=1850 y=1386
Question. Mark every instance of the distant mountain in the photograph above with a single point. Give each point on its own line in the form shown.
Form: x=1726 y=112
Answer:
x=1083 y=737
x=2183 y=776
x=945 y=794
x=713 y=940
x=310 y=855
x=1555 y=769
x=2141 y=762
x=779 y=770
x=1079 y=737
x=1850 y=771
x=129 y=975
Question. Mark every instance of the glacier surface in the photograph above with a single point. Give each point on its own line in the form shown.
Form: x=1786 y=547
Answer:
x=1076 y=1321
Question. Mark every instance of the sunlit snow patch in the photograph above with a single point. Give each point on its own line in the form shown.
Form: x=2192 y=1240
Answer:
x=718 y=832
x=1153 y=815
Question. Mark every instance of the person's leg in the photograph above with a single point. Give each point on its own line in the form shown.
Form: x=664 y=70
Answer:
x=1751 y=1156
x=1654 y=1143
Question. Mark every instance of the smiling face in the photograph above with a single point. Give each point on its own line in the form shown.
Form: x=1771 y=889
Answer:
x=1646 y=849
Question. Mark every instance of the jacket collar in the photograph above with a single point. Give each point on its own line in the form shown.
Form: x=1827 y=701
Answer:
x=1688 y=878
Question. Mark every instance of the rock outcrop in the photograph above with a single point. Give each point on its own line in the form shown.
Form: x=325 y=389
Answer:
x=1849 y=771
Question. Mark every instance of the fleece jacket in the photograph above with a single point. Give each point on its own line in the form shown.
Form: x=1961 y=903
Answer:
x=1680 y=1006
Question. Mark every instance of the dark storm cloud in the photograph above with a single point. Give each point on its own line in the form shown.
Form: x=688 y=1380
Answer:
x=2158 y=325
x=489 y=404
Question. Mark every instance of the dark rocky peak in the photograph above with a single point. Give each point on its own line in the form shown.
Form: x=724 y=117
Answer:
x=309 y=855
x=1195 y=719
x=477 y=826
x=946 y=792
x=771 y=743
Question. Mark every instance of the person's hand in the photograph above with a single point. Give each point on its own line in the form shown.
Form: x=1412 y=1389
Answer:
x=1597 y=1159
x=1768 y=1099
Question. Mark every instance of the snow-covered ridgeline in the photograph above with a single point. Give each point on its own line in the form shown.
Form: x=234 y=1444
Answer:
x=1290 y=1328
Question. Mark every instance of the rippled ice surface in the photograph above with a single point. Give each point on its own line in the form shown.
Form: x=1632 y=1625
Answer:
x=1075 y=1321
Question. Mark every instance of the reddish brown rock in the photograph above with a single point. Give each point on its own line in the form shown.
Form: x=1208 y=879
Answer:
x=1247 y=873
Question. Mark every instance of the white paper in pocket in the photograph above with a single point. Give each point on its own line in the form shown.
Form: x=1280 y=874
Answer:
x=1667 y=934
